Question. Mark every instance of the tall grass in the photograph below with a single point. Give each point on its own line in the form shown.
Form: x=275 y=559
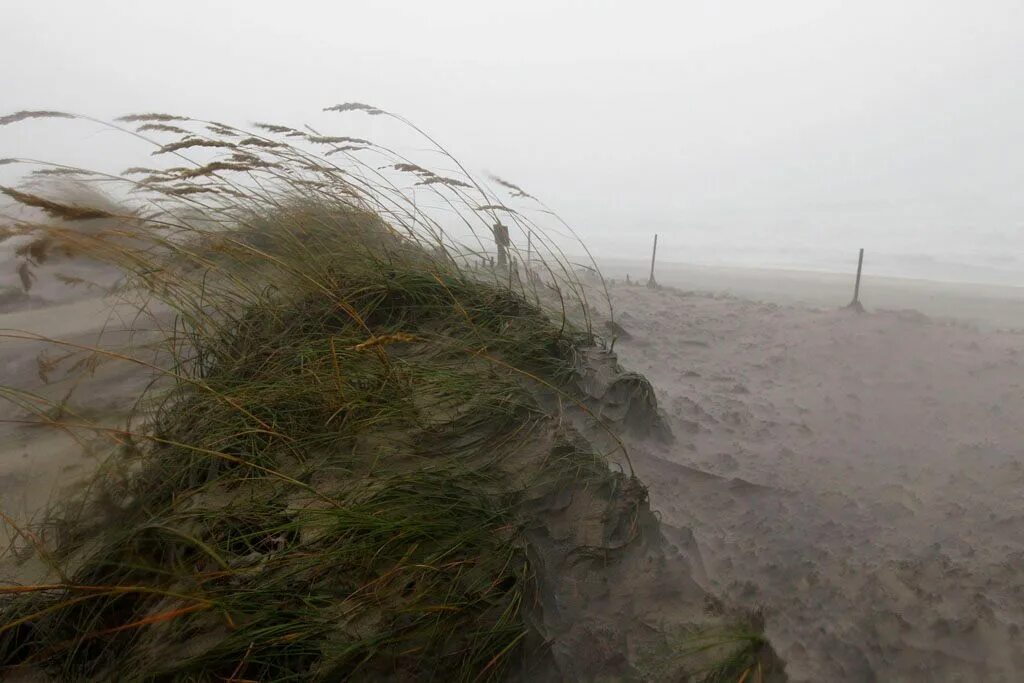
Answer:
x=326 y=480
x=354 y=422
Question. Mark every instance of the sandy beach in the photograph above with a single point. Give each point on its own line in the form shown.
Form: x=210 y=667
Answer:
x=857 y=475
x=988 y=306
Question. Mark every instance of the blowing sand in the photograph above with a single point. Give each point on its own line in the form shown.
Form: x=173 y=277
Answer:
x=859 y=476
x=37 y=461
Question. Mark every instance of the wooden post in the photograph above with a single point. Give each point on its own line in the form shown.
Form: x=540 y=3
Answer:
x=502 y=242
x=651 y=283
x=855 y=304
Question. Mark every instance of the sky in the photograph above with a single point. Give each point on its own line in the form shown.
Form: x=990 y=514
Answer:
x=732 y=128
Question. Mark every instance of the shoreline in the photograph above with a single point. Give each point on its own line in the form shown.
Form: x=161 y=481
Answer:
x=985 y=305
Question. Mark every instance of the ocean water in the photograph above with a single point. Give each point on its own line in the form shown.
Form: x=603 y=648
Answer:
x=988 y=266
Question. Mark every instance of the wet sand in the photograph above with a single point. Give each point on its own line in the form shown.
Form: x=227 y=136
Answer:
x=857 y=475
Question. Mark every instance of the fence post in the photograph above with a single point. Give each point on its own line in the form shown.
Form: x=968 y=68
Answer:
x=855 y=304
x=651 y=283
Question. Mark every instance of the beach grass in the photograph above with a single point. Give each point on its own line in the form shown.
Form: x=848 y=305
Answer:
x=332 y=476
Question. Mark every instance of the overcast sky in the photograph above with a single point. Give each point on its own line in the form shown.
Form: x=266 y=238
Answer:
x=896 y=125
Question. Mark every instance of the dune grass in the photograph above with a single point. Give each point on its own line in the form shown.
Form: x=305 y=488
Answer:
x=332 y=475
x=324 y=483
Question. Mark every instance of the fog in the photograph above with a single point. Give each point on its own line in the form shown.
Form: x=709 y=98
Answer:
x=744 y=132
x=219 y=394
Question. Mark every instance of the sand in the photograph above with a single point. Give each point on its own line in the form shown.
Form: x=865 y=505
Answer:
x=989 y=306
x=857 y=475
x=37 y=462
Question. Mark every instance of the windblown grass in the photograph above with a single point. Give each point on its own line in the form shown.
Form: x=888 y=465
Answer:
x=335 y=471
x=328 y=479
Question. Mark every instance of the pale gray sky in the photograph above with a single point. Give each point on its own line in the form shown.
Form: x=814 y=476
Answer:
x=895 y=125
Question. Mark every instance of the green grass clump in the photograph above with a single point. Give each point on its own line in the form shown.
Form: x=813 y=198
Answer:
x=325 y=497
x=734 y=650
x=329 y=478
x=356 y=458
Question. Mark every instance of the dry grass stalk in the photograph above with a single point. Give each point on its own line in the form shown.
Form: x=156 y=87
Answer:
x=129 y=118
x=439 y=180
x=189 y=143
x=56 y=209
x=273 y=128
x=162 y=128
x=213 y=167
x=516 y=190
x=355 y=106
x=336 y=140
x=24 y=115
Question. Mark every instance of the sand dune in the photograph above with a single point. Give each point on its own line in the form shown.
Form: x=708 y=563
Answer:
x=866 y=480
x=857 y=475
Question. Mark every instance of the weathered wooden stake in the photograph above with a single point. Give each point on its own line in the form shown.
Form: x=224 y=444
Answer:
x=856 y=287
x=651 y=283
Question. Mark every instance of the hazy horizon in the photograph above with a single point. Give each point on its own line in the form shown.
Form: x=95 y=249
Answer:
x=799 y=130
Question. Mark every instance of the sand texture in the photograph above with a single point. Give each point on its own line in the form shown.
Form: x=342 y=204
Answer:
x=858 y=475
